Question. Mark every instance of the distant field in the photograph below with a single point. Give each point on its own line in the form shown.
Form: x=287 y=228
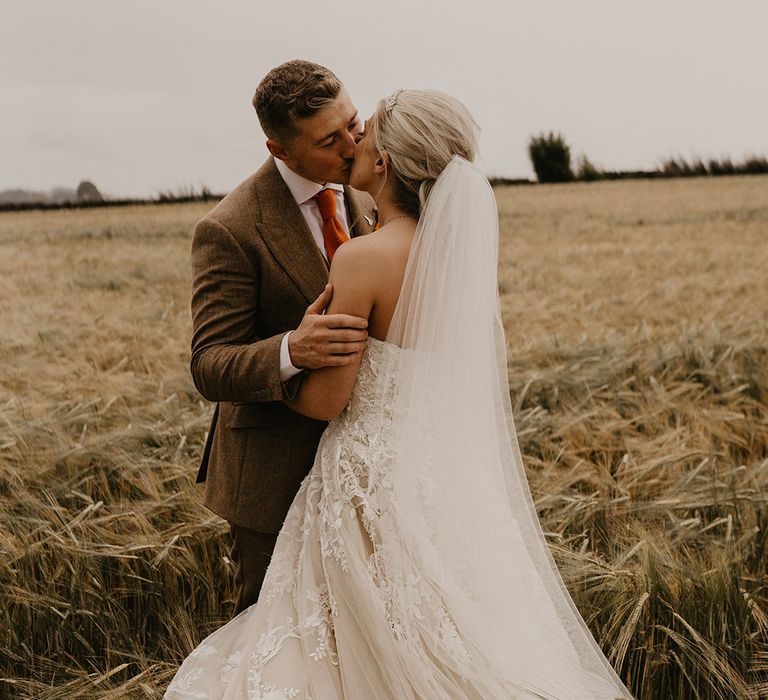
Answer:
x=637 y=329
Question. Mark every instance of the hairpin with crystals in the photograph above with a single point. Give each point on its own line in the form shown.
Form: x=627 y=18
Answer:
x=391 y=101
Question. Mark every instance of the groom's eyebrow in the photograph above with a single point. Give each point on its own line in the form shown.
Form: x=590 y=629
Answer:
x=333 y=133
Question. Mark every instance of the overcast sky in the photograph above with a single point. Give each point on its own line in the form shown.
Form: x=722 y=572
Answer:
x=148 y=95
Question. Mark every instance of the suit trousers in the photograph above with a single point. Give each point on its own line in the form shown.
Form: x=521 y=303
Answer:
x=251 y=552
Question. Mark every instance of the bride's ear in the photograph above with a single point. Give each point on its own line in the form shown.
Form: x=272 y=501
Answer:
x=381 y=163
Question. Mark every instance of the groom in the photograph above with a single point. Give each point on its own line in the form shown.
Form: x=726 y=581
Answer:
x=259 y=258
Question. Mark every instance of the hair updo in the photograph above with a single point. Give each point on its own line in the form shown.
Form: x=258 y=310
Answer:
x=421 y=132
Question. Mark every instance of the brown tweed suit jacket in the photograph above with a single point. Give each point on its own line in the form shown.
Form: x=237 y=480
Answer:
x=255 y=269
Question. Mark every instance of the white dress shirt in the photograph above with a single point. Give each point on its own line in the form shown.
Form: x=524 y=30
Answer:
x=303 y=191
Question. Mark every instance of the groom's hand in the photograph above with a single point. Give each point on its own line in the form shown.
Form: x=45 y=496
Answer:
x=330 y=340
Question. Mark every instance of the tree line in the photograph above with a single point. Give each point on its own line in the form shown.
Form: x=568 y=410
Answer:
x=550 y=156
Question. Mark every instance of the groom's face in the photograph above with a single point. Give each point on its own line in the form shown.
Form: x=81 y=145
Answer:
x=323 y=146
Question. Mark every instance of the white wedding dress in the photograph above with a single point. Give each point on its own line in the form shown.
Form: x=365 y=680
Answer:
x=411 y=564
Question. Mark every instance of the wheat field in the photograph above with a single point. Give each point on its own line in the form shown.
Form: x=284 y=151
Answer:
x=637 y=331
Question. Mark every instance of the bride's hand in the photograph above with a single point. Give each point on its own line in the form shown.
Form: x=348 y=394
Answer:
x=330 y=340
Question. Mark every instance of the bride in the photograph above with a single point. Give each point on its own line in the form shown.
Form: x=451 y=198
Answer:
x=412 y=563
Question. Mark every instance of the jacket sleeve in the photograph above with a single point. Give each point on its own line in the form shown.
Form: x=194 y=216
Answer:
x=229 y=361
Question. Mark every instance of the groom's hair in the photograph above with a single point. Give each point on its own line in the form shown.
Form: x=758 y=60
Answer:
x=294 y=90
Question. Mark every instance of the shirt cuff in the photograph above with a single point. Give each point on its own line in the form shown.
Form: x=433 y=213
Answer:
x=287 y=370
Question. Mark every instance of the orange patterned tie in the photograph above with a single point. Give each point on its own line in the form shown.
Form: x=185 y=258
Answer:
x=333 y=232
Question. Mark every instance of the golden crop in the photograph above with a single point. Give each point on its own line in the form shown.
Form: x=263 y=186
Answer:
x=637 y=331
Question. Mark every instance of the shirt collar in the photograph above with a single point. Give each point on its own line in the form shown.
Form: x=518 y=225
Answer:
x=301 y=188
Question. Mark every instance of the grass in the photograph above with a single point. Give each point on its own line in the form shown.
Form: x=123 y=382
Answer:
x=636 y=317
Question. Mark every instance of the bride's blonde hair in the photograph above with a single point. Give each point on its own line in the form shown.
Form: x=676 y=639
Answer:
x=421 y=130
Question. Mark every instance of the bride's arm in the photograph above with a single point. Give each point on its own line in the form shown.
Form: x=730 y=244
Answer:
x=326 y=391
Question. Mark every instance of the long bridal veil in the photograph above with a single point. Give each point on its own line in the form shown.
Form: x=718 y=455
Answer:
x=460 y=498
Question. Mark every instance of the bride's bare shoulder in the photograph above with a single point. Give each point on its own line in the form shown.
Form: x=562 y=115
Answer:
x=371 y=254
x=353 y=274
x=353 y=253
x=367 y=273
x=373 y=241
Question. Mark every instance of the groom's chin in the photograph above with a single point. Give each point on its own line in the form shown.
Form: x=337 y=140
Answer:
x=344 y=175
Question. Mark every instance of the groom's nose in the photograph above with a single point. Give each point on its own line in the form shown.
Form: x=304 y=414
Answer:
x=348 y=146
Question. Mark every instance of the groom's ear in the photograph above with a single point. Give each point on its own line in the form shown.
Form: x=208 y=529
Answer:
x=276 y=149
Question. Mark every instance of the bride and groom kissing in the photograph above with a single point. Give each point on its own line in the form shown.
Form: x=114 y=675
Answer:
x=363 y=448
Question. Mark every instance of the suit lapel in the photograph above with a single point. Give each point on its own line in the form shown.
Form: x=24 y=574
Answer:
x=359 y=206
x=287 y=235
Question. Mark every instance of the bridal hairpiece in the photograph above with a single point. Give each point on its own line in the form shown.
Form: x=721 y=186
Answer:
x=391 y=101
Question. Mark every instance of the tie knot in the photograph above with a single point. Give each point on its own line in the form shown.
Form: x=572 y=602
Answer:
x=326 y=202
